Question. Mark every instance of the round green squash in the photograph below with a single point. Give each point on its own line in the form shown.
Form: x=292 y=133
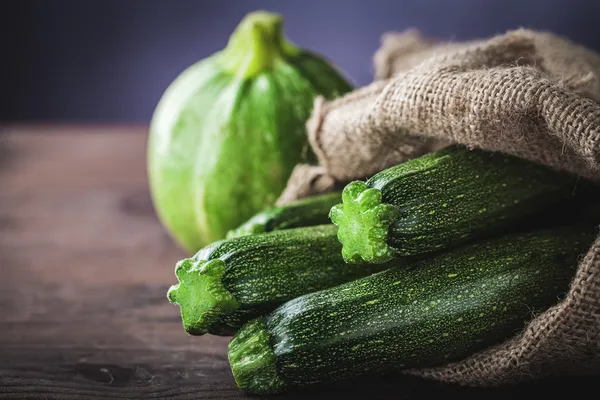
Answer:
x=228 y=131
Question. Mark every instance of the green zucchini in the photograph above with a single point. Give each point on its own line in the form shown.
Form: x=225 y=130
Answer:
x=439 y=310
x=234 y=280
x=310 y=211
x=441 y=200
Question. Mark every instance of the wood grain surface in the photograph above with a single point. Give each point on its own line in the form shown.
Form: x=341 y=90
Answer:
x=84 y=269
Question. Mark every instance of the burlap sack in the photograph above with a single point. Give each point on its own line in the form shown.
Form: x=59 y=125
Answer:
x=525 y=93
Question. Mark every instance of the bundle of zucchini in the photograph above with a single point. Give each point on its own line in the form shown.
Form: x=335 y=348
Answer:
x=425 y=263
x=435 y=311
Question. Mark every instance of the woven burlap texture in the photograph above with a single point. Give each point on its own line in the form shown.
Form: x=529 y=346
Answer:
x=526 y=93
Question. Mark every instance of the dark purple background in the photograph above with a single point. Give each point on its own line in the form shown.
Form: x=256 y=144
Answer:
x=110 y=60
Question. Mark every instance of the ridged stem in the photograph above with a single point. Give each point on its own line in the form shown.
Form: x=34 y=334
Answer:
x=200 y=294
x=363 y=223
x=252 y=360
x=256 y=45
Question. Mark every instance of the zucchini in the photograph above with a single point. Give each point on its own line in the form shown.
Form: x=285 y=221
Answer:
x=441 y=200
x=310 y=211
x=234 y=280
x=433 y=312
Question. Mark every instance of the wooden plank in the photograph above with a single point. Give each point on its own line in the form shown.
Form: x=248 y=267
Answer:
x=84 y=268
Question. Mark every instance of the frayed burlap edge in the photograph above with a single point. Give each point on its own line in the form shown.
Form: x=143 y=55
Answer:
x=400 y=51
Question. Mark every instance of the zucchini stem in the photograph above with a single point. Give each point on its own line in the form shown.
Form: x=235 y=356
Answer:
x=252 y=360
x=200 y=294
x=363 y=223
x=257 y=44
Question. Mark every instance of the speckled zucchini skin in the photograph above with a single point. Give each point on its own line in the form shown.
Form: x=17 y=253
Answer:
x=439 y=310
x=263 y=271
x=456 y=195
x=309 y=211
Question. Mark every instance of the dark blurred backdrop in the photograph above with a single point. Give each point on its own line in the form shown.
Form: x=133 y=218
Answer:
x=110 y=60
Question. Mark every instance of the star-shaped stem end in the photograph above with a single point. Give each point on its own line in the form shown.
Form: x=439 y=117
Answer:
x=200 y=294
x=363 y=223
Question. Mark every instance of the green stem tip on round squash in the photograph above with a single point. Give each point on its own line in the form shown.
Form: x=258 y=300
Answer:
x=252 y=360
x=256 y=44
x=363 y=223
x=200 y=294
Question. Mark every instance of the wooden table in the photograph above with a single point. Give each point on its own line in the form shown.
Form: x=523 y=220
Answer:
x=84 y=269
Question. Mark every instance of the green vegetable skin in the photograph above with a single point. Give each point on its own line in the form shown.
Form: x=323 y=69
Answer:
x=227 y=133
x=442 y=199
x=232 y=281
x=436 y=311
x=310 y=211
